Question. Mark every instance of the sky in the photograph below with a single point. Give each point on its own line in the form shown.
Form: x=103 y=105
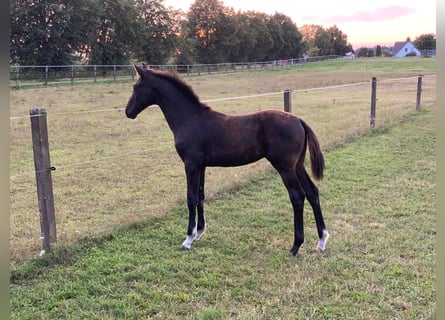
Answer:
x=366 y=23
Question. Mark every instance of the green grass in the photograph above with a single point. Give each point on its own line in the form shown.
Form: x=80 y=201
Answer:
x=378 y=197
x=112 y=171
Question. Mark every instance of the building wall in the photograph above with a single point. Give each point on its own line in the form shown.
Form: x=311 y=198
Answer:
x=406 y=49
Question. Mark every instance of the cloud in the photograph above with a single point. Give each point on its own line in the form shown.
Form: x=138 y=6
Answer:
x=377 y=15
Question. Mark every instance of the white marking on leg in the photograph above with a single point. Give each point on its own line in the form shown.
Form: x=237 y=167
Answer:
x=187 y=244
x=324 y=239
x=199 y=234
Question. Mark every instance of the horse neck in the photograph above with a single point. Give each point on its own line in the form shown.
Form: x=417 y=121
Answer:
x=177 y=109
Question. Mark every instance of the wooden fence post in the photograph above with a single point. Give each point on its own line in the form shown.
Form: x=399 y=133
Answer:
x=43 y=177
x=373 y=101
x=287 y=100
x=419 y=91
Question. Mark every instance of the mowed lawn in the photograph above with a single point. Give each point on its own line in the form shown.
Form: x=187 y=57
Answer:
x=378 y=197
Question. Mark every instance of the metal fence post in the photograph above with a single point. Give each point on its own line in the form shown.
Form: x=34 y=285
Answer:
x=43 y=177
x=17 y=76
x=46 y=75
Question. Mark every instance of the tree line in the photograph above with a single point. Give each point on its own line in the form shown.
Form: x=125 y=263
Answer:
x=103 y=32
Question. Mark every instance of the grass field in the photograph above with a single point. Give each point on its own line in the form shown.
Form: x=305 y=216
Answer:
x=378 y=197
x=114 y=172
x=121 y=214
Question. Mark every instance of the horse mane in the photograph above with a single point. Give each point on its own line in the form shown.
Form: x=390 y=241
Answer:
x=178 y=83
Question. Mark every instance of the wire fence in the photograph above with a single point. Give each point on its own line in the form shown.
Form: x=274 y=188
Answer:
x=22 y=76
x=110 y=172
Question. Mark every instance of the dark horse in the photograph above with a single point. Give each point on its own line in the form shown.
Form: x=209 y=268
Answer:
x=206 y=138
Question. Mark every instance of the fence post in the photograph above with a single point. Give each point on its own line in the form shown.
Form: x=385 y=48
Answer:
x=46 y=75
x=287 y=100
x=17 y=76
x=43 y=177
x=72 y=74
x=373 y=101
x=419 y=91
x=114 y=72
x=94 y=73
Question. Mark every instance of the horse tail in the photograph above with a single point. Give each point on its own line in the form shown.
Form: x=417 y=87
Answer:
x=316 y=156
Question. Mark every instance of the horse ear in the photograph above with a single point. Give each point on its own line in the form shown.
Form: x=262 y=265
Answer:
x=144 y=66
x=139 y=71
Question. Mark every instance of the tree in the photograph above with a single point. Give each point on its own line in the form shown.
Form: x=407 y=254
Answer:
x=262 y=42
x=115 y=34
x=319 y=41
x=323 y=41
x=286 y=38
x=156 y=32
x=41 y=32
x=365 y=52
x=425 y=42
x=378 y=51
x=339 y=41
x=309 y=33
x=204 y=26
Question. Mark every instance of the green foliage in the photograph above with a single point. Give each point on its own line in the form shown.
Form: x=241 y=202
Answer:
x=365 y=52
x=60 y=32
x=205 y=26
x=156 y=33
x=40 y=31
x=425 y=42
x=115 y=31
x=378 y=51
x=286 y=38
x=319 y=41
x=221 y=35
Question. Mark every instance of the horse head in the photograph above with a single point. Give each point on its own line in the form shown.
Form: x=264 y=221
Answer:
x=143 y=95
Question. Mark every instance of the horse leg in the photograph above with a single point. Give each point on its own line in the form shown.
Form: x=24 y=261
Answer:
x=193 y=173
x=296 y=196
x=311 y=192
x=201 y=217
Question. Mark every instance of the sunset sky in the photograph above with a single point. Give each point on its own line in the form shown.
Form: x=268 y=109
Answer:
x=366 y=23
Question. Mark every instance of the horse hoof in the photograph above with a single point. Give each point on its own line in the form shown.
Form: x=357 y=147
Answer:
x=320 y=250
x=184 y=248
x=294 y=251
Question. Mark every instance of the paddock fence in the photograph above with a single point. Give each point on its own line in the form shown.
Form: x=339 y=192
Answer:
x=107 y=172
x=22 y=76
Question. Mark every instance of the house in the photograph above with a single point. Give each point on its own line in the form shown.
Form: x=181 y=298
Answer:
x=403 y=48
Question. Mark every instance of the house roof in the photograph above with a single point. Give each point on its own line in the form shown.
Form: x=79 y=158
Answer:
x=398 y=46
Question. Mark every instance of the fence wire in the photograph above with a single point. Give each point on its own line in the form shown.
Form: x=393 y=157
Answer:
x=124 y=166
